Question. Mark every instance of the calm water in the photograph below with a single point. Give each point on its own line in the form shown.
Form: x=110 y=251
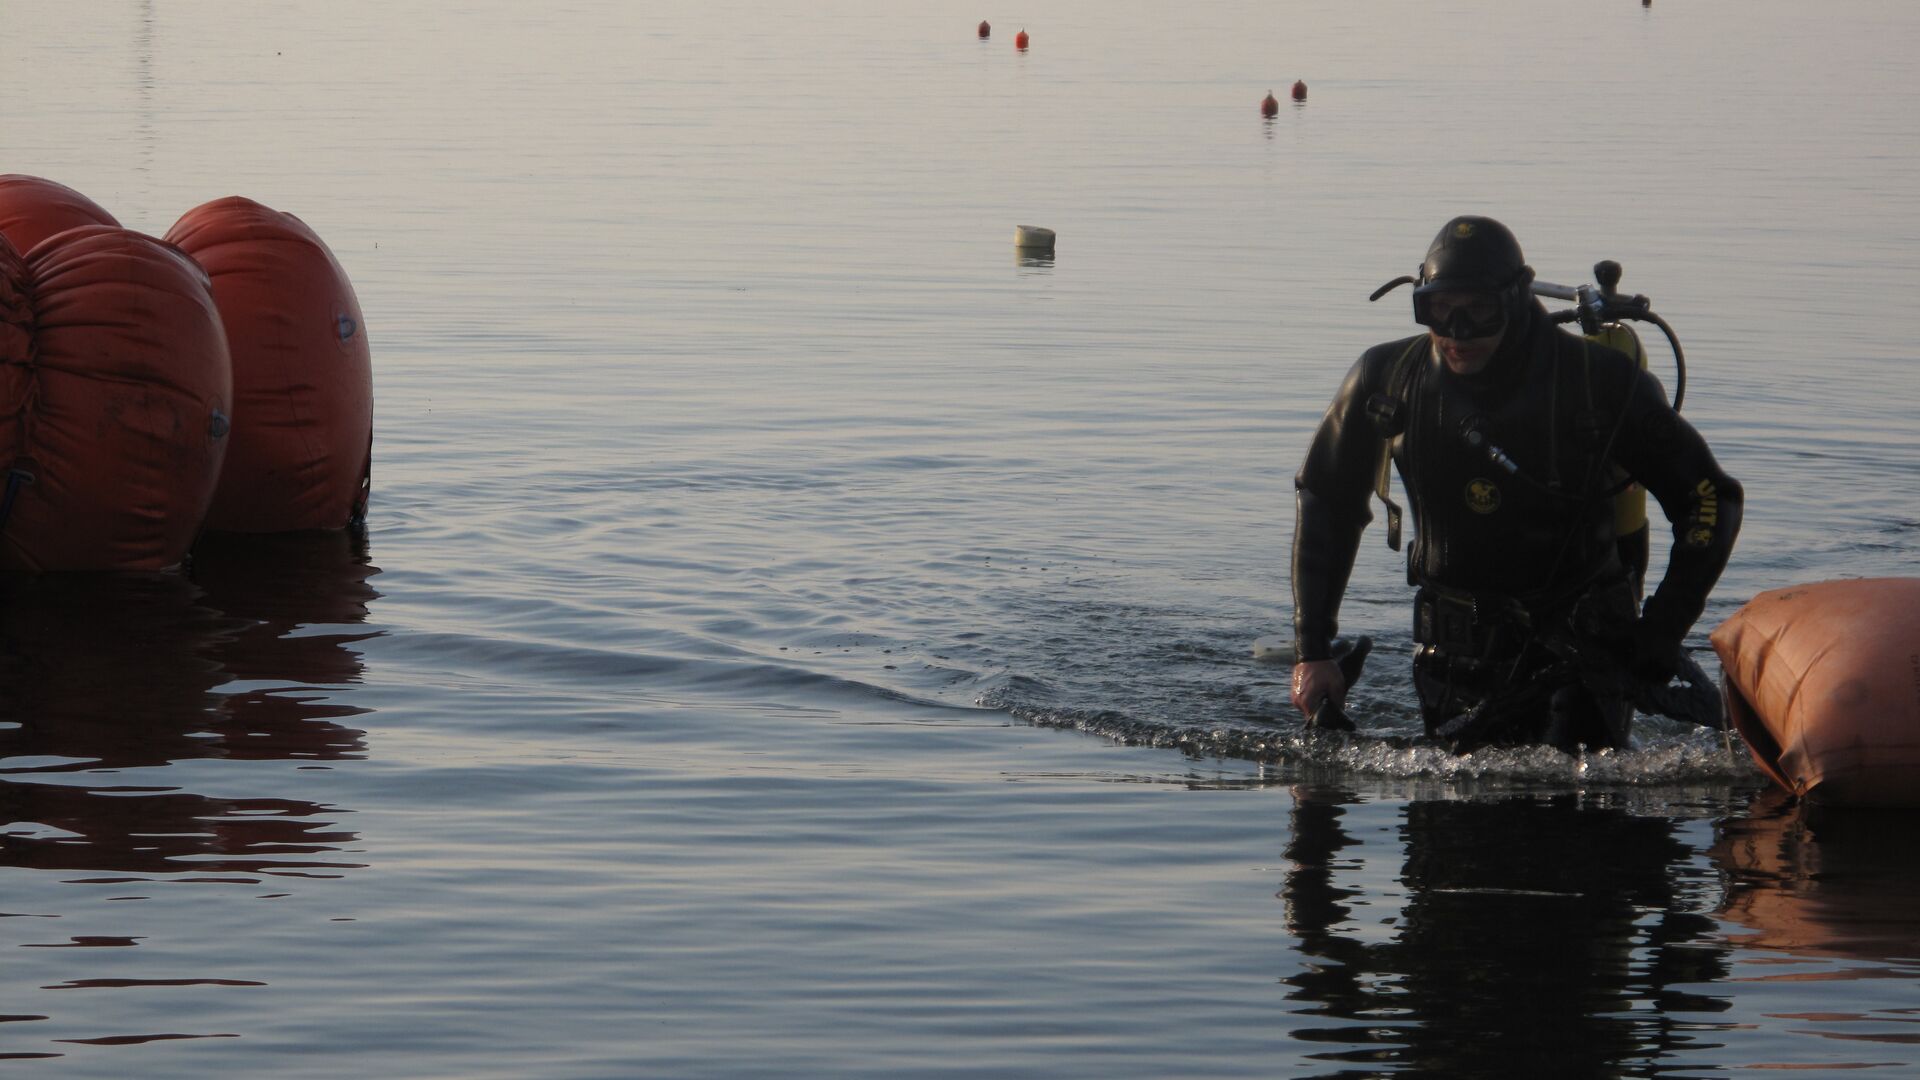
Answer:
x=799 y=637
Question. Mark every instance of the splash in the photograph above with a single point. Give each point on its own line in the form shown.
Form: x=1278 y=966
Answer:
x=1661 y=754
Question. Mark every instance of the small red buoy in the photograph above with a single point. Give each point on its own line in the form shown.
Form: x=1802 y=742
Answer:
x=985 y=30
x=1300 y=90
x=1271 y=106
x=1020 y=41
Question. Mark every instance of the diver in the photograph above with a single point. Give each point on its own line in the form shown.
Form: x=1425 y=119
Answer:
x=1511 y=437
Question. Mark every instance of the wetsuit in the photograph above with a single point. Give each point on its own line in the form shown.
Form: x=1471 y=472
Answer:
x=1509 y=473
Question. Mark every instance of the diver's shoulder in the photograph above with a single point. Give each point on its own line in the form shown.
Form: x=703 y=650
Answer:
x=1388 y=353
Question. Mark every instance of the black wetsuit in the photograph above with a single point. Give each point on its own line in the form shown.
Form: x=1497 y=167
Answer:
x=1504 y=549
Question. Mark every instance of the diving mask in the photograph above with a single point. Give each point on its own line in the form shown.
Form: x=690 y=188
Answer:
x=1460 y=314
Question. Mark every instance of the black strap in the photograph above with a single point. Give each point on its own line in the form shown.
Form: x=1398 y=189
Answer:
x=1397 y=378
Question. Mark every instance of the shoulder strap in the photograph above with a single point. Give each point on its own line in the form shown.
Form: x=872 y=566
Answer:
x=1398 y=377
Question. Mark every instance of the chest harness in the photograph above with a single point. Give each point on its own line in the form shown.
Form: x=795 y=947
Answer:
x=1388 y=412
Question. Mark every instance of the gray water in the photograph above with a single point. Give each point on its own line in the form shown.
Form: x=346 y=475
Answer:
x=798 y=635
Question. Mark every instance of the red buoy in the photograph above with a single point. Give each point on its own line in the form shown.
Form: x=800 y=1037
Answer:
x=985 y=30
x=302 y=370
x=1020 y=41
x=1300 y=90
x=1271 y=106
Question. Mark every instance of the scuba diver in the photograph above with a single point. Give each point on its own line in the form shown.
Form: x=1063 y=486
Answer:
x=1512 y=437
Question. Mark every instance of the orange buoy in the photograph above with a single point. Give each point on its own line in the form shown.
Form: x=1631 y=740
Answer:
x=302 y=370
x=114 y=401
x=1300 y=90
x=985 y=30
x=1823 y=682
x=1020 y=41
x=32 y=209
x=1271 y=106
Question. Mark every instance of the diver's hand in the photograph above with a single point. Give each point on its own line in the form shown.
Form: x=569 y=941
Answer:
x=1315 y=681
x=1656 y=654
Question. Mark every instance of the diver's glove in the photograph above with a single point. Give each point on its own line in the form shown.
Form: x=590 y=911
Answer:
x=1654 y=654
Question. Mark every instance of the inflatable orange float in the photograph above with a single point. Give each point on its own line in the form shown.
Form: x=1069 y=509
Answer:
x=115 y=391
x=302 y=370
x=32 y=209
x=1823 y=682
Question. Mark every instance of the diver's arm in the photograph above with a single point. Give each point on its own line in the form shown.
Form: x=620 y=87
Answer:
x=1702 y=502
x=1330 y=498
x=1325 y=542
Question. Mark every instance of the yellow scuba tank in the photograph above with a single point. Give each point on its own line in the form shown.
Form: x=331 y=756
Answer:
x=1631 y=534
x=1630 y=506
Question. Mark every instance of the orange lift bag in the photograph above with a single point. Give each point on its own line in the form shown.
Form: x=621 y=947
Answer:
x=32 y=209
x=114 y=401
x=1823 y=682
x=302 y=371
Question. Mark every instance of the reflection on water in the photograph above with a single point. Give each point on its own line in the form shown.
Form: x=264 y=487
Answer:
x=1550 y=923
x=1823 y=883
x=279 y=585
x=1821 y=905
x=130 y=831
x=102 y=674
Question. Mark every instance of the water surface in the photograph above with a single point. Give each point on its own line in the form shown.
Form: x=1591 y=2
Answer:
x=800 y=636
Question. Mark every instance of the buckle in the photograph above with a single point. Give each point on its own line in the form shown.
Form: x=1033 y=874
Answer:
x=1447 y=623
